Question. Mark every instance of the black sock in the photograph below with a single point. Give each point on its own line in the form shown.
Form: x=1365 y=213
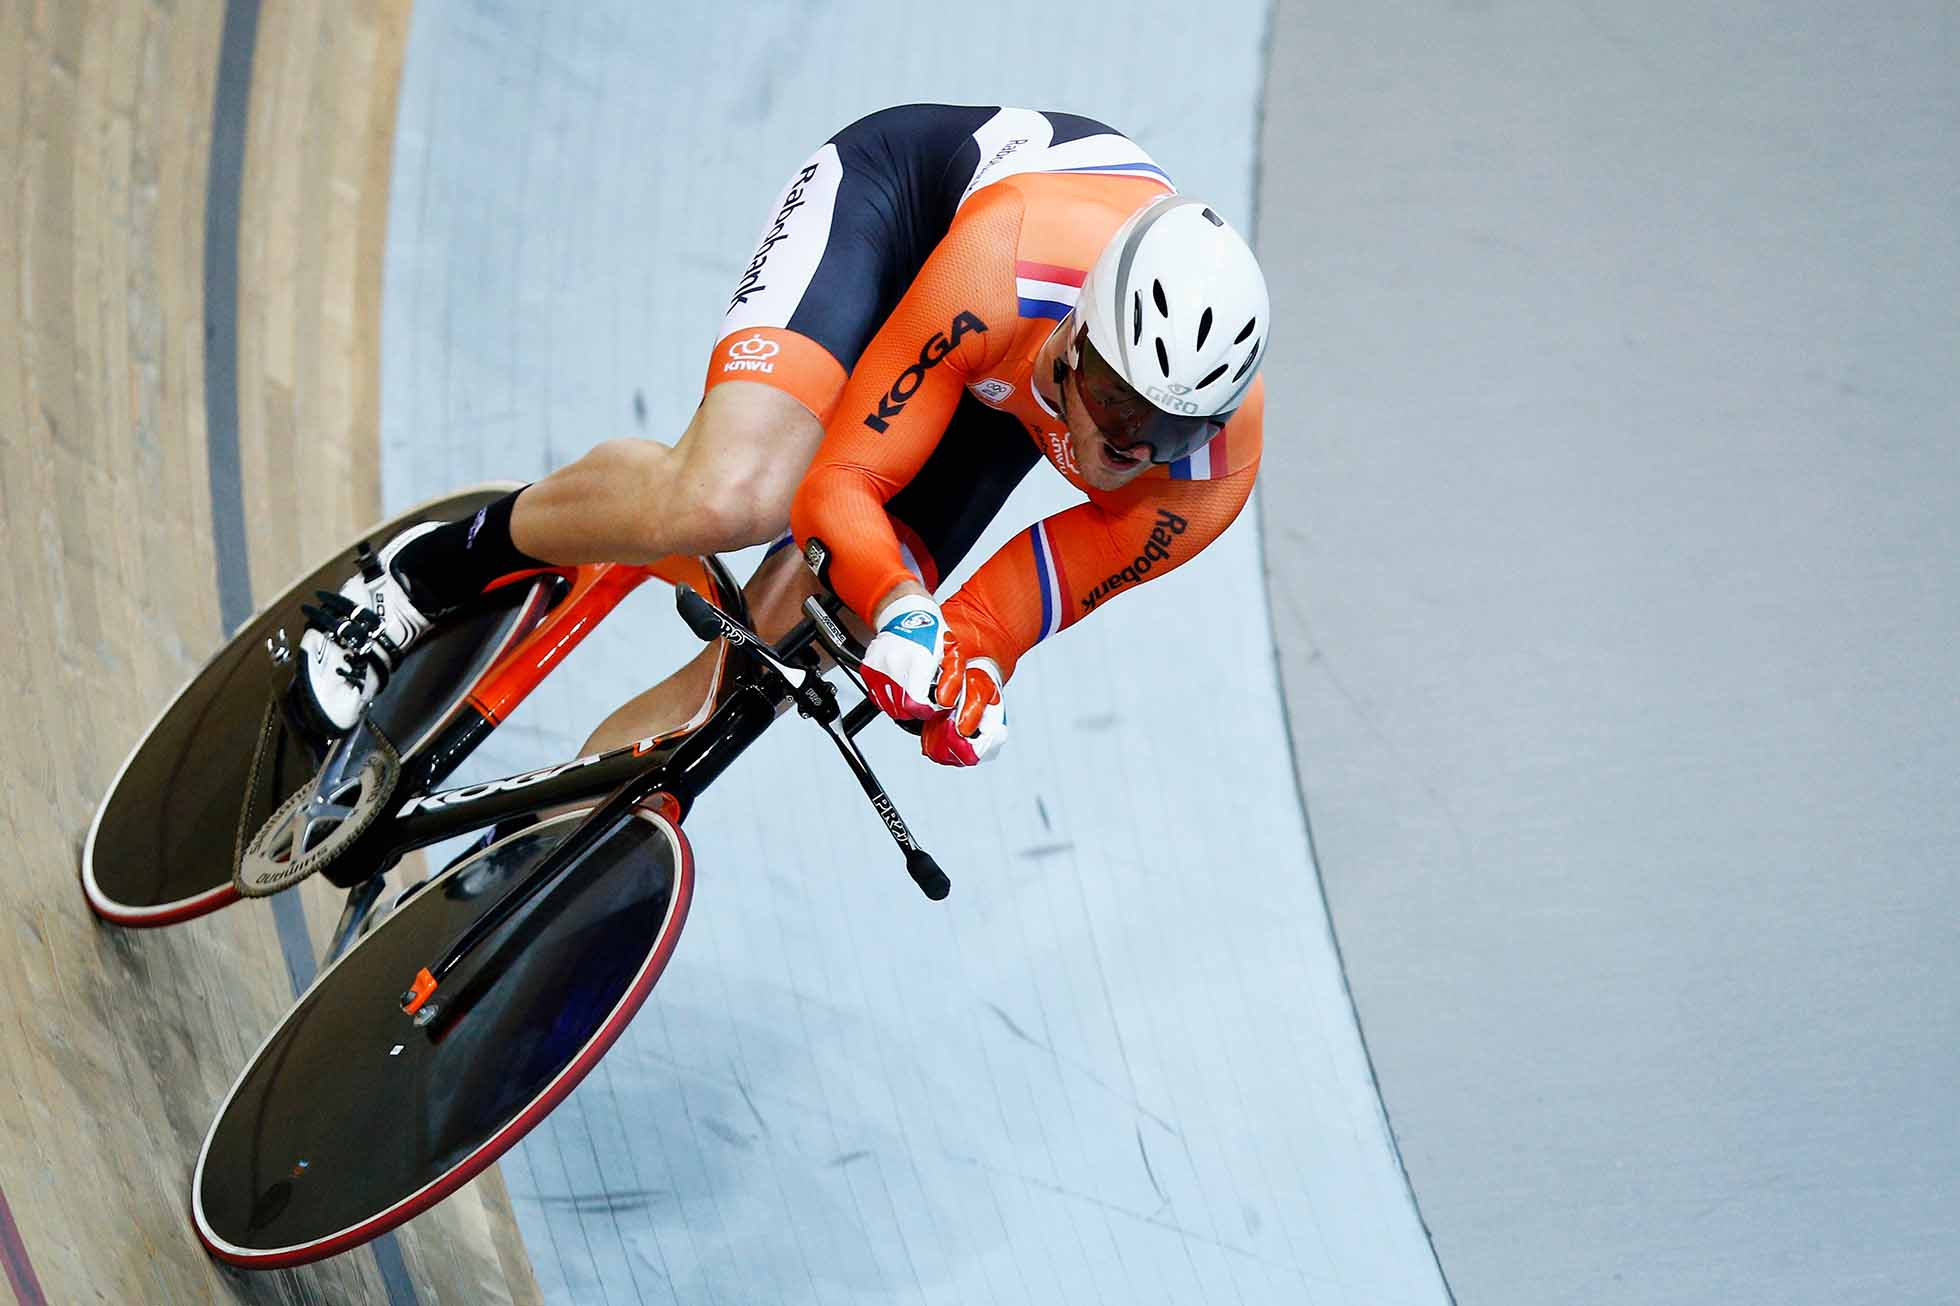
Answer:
x=457 y=561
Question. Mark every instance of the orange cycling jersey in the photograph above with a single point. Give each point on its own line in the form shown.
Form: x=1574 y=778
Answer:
x=971 y=323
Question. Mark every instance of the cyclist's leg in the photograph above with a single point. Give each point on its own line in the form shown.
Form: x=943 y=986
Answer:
x=836 y=252
x=725 y=485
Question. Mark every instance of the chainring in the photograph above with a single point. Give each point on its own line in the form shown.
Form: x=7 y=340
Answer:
x=319 y=821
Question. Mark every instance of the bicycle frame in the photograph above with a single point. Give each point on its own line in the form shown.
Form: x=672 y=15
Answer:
x=590 y=593
x=679 y=764
x=586 y=595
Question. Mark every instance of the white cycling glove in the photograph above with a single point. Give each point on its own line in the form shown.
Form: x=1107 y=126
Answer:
x=977 y=726
x=912 y=665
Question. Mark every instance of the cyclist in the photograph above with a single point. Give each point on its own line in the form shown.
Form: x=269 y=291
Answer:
x=952 y=293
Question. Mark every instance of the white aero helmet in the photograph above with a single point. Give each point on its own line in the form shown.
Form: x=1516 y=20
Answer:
x=1170 y=325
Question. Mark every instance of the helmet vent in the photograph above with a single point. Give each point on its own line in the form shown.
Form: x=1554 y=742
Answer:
x=1136 y=317
x=1157 y=291
x=1211 y=376
x=1204 y=328
x=1213 y=218
x=1163 y=358
x=1250 y=359
x=1240 y=338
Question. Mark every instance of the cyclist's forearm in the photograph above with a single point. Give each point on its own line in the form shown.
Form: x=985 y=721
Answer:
x=843 y=505
x=1064 y=567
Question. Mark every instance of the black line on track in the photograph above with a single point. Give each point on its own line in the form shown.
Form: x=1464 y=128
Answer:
x=224 y=188
x=13 y=1259
x=224 y=185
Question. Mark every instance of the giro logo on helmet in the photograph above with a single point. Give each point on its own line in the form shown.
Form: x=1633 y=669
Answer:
x=907 y=383
x=1170 y=400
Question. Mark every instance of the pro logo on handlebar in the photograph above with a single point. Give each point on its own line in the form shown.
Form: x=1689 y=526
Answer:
x=893 y=822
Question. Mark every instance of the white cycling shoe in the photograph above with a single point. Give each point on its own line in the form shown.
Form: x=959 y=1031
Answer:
x=354 y=641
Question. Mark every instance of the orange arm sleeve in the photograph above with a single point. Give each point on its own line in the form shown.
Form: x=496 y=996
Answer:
x=1066 y=566
x=957 y=319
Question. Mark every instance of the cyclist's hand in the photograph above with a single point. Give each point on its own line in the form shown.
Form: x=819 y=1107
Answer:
x=912 y=665
x=977 y=725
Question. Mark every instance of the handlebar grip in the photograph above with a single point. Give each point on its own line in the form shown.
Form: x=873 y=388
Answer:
x=697 y=612
x=926 y=874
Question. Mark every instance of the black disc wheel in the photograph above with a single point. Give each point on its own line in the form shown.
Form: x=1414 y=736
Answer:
x=221 y=755
x=353 y=1116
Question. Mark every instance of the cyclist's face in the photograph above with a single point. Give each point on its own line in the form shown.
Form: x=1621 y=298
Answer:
x=1104 y=464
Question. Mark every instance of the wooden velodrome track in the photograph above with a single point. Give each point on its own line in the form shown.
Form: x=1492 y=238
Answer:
x=125 y=317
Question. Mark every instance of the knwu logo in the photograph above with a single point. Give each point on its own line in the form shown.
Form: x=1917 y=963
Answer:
x=908 y=382
x=1060 y=453
x=751 y=354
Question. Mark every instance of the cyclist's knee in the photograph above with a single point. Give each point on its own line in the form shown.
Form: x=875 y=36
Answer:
x=730 y=505
x=630 y=465
x=739 y=466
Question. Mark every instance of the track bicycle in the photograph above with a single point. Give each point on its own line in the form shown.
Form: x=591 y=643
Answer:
x=448 y=1021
